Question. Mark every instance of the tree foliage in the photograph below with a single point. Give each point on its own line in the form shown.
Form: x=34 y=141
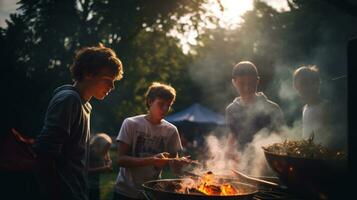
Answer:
x=311 y=33
x=39 y=42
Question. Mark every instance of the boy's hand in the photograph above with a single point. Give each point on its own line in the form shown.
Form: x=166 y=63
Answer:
x=178 y=164
x=162 y=155
x=185 y=160
x=160 y=160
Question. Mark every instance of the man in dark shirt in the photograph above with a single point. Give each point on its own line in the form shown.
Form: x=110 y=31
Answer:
x=63 y=142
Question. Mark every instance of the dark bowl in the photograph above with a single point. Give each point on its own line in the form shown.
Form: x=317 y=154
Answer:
x=317 y=178
x=155 y=194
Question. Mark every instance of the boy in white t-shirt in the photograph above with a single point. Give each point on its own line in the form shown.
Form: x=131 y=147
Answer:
x=143 y=142
x=317 y=112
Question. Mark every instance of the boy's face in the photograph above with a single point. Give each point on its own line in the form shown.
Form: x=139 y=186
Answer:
x=159 y=108
x=101 y=84
x=306 y=89
x=246 y=85
x=106 y=151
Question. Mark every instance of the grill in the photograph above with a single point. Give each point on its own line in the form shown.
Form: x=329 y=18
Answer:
x=258 y=190
x=267 y=192
x=313 y=178
x=166 y=189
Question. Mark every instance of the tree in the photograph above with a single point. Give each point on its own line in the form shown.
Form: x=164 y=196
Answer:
x=312 y=32
x=50 y=32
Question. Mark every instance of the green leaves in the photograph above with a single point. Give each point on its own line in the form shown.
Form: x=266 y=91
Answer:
x=39 y=44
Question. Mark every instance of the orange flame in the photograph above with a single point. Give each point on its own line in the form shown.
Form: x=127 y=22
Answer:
x=209 y=185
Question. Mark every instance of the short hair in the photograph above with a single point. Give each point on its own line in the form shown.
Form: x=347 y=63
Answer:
x=244 y=68
x=92 y=60
x=307 y=74
x=160 y=90
x=98 y=142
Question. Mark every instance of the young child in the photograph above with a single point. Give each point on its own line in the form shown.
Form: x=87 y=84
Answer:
x=317 y=111
x=99 y=162
x=143 y=143
x=251 y=111
x=63 y=143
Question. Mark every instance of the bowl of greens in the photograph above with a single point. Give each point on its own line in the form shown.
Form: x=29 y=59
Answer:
x=308 y=168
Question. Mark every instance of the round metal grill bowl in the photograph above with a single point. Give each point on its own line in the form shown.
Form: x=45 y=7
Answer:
x=318 y=178
x=167 y=191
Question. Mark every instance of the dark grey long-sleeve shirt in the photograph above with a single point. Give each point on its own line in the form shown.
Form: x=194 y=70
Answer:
x=64 y=139
x=244 y=121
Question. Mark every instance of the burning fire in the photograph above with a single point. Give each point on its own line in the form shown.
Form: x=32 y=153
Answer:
x=209 y=185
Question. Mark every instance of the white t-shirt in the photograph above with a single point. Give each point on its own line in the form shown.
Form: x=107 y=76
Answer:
x=145 y=139
x=314 y=120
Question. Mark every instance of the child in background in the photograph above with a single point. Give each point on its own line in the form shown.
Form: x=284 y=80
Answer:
x=248 y=114
x=252 y=111
x=99 y=162
x=317 y=114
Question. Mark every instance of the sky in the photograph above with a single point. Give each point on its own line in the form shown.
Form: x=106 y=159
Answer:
x=234 y=9
x=6 y=8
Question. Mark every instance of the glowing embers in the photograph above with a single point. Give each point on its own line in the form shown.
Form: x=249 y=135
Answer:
x=194 y=187
x=210 y=185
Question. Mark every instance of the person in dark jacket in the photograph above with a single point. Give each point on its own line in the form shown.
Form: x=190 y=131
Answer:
x=63 y=143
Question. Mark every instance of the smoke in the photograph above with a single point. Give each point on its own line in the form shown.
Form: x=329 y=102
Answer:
x=287 y=96
x=332 y=134
x=221 y=160
x=212 y=72
x=252 y=159
x=213 y=78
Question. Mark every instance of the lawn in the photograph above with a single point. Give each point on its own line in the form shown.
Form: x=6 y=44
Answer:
x=107 y=180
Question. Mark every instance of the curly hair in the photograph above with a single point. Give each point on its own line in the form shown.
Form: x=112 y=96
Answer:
x=160 y=90
x=92 y=60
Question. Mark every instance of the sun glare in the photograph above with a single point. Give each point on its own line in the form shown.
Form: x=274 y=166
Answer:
x=229 y=12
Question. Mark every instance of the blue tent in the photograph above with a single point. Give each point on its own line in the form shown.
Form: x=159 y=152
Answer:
x=196 y=113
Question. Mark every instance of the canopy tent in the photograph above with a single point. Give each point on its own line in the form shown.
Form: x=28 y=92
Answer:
x=197 y=113
x=194 y=123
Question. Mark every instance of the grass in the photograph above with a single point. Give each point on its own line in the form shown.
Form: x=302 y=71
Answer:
x=107 y=180
x=107 y=183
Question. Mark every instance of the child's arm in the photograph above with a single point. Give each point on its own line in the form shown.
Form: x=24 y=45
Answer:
x=60 y=116
x=175 y=149
x=124 y=160
x=105 y=168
